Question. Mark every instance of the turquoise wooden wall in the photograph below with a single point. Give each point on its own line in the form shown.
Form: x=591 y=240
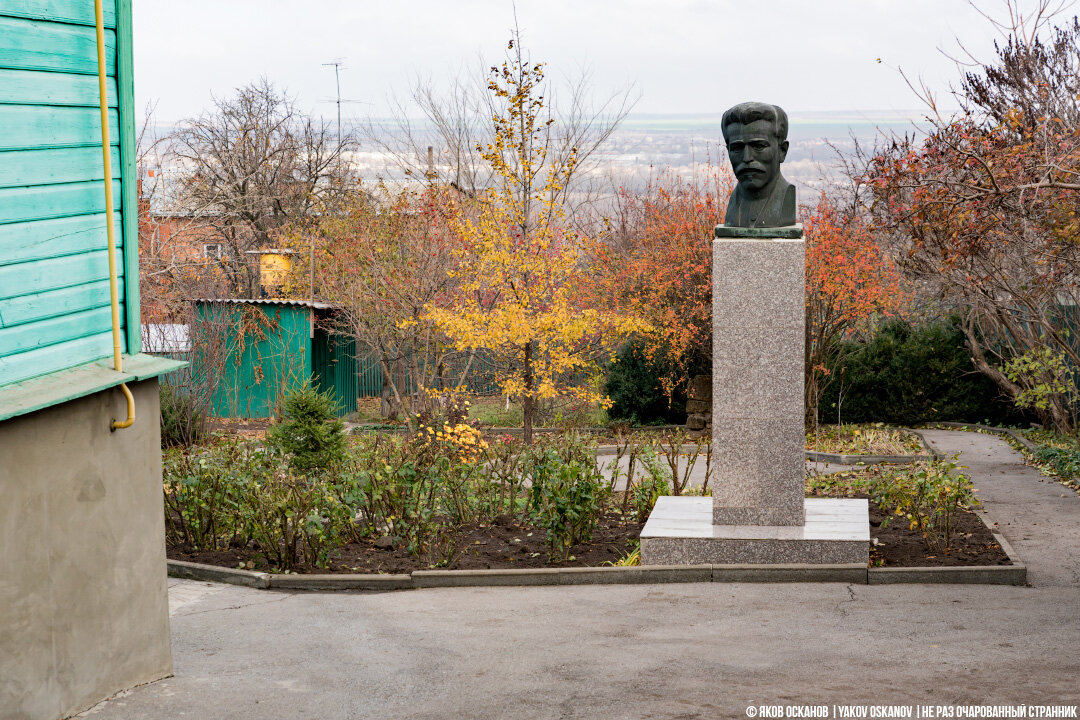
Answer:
x=54 y=290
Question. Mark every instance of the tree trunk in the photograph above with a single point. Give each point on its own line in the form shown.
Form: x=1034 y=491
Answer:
x=527 y=401
x=384 y=396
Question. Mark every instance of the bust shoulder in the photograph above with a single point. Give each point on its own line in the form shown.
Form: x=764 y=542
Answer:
x=777 y=209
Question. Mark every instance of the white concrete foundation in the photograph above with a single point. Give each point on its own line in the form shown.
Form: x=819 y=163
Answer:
x=680 y=531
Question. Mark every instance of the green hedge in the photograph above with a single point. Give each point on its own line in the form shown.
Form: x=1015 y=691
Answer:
x=908 y=373
x=633 y=384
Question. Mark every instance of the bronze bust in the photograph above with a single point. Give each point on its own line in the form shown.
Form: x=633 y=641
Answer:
x=756 y=138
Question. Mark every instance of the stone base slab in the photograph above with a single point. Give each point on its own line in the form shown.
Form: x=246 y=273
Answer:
x=680 y=531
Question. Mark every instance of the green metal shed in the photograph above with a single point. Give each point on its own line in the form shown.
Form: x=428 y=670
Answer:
x=272 y=347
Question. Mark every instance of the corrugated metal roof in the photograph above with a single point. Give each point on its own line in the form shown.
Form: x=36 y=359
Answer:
x=294 y=303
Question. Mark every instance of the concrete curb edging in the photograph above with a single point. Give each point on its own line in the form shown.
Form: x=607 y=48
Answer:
x=341 y=582
x=816 y=456
x=215 y=573
x=608 y=575
x=640 y=575
x=971 y=575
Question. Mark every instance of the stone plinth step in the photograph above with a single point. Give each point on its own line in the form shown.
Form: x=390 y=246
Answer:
x=680 y=531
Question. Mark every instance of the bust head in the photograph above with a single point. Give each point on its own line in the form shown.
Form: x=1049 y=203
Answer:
x=756 y=138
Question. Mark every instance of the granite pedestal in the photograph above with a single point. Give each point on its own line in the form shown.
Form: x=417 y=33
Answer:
x=758 y=512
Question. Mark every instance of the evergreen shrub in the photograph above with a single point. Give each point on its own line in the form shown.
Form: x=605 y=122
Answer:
x=906 y=373
x=312 y=436
x=637 y=395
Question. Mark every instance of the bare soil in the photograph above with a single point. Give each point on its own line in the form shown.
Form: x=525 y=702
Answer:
x=505 y=543
x=898 y=546
x=517 y=543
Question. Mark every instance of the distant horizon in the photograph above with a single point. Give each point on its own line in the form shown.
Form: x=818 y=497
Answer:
x=692 y=58
x=819 y=117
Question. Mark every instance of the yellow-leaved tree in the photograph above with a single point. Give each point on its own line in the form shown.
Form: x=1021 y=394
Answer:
x=521 y=301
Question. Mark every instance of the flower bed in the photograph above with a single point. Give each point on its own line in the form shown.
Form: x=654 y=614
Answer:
x=309 y=498
x=446 y=497
x=864 y=439
x=921 y=515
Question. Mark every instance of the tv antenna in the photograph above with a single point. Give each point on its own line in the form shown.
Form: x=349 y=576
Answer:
x=337 y=78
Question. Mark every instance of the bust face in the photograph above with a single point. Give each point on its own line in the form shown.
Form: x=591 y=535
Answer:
x=755 y=154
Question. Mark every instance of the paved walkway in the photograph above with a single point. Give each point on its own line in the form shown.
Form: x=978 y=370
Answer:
x=649 y=651
x=1037 y=515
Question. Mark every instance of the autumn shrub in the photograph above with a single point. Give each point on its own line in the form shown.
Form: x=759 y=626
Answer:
x=655 y=259
x=505 y=463
x=566 y=497
x=294 y=517
x=655 y=483
x=396 y=496
x=182 y=421
x=445 y=430
x=928 y=496
x=418 y=491
x=905 y=373
x=234 y=491
x=1046 y=379
x=204 y=489
x=311 y=436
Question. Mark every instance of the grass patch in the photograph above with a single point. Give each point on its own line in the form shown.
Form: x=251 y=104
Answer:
x=1055 y=455
x=494 y=411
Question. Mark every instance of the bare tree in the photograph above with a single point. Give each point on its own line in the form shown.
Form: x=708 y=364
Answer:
x=983 y=210
x=382 y=261
x=254 y=163
x=1032 y=80
x=457 y=129
x=442 y=147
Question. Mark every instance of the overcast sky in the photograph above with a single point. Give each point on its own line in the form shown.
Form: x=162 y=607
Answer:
x=682 y=56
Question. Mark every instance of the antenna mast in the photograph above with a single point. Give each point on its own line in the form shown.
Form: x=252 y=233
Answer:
x=337 y=79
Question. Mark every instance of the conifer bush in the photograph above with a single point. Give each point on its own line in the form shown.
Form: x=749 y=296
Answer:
x=635 y=386
x=312 y=436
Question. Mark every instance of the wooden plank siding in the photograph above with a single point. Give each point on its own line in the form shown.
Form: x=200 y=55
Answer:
x=48 y=126
x=44 y=305
x=54 y=290
x=62 y=11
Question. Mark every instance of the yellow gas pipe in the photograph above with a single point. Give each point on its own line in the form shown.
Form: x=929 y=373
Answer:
x=118 y=364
